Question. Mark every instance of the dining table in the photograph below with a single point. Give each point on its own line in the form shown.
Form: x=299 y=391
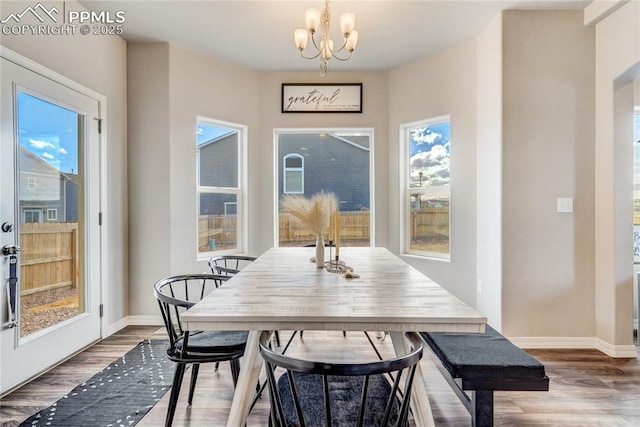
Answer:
x=284 y=290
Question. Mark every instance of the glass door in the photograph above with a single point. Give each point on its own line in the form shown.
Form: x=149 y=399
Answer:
x=48 y=212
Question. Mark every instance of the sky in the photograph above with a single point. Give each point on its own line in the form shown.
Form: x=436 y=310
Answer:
x=49 y=131
x=207 y=132
x=429 y=153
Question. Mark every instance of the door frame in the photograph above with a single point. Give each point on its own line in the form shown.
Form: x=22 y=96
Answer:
x=56 y=77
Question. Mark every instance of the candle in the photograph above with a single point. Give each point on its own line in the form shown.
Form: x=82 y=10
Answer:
x=331 y=226
x=337 y=237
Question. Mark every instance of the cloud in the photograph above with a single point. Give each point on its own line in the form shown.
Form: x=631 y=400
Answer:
x=47 y=155
x=62 y=150
x=40 y=144
x=433 y=164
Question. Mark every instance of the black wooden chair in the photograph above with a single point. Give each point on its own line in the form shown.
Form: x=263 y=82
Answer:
x=176 y=294
x=229 y=264
x=314 y=393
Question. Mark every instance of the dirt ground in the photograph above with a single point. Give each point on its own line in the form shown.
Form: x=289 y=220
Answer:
x=43 y=309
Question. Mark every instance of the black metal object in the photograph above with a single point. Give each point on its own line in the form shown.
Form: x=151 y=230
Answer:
x=175 y=295
x=295 y=396
x=11 y=252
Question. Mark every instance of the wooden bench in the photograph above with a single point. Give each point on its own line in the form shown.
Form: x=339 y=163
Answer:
x=475 y=365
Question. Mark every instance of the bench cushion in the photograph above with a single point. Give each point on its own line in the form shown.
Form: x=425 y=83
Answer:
x=487 y=358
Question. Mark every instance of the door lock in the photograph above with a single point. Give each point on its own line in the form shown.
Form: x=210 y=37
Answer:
x=7 y=227
x=8 y=250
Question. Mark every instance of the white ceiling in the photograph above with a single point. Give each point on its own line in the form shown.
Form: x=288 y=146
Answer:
x=259 y=34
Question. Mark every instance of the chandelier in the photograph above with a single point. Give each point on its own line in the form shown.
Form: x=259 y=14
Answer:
x=315 y=19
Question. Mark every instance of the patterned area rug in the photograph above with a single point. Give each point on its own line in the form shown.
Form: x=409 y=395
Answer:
x=120 y=395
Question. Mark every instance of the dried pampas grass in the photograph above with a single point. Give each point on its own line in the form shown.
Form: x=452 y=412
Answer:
x=312 y=214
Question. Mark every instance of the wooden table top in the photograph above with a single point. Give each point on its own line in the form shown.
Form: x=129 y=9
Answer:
x=283 y=290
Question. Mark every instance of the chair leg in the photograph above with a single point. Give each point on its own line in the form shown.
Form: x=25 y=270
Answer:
x=235 y=371
x=175 y=392
x=276 y=335
x=215 y=368
x=194 y=376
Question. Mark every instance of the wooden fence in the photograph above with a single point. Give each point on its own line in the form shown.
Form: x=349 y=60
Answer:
x=354 y=228
x=48 y=256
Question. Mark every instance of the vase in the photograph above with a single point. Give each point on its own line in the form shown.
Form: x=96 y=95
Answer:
x=320 y=251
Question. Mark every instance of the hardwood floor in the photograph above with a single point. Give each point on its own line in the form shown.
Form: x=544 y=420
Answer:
x=587 y=388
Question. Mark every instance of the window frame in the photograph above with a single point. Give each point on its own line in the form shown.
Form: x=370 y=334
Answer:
x=52 y=214
x=240 y=191
x=405 y=191
x=286 y=169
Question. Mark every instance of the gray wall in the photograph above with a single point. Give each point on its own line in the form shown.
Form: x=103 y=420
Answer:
x=548 y=152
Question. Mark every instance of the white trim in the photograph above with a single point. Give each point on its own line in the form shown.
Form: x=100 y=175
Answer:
x=405 y=191
x=577 y=343
x=144 y=320
x=598 y=10
x=44 y=71
x=241 y=191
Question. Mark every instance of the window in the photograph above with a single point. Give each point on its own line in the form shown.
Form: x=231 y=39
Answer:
x=293 y=177
x=52 y=214
x=425 y=206
x=31 y=216
x=31 y=182
x=331 y=160
x=220 y=190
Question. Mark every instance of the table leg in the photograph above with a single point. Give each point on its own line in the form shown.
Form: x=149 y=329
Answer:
x=420 y=406
x=250 y=365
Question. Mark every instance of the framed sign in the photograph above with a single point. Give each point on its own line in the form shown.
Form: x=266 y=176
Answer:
x=321 y=98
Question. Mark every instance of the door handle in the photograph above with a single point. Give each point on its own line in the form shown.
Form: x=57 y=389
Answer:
x=11 y=252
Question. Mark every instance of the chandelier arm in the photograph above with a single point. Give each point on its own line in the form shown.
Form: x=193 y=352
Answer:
x=341 y=47
x=341 y=59
x=309 y=57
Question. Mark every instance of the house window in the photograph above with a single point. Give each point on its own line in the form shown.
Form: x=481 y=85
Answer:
x=425 y=206
x=221 y=221
x=31 y=183
x=52 y=214
x=329 y=160
x=293 y=177
x=31 y=216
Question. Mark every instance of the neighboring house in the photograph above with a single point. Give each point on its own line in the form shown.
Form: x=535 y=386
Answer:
x=216 y=170
x=46 y=193
x=310 y=163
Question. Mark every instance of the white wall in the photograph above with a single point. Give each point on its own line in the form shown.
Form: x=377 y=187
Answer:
x=149 y=172
x=442 y=84
x=374 y=115
x=99 y=63
x=489 y=172
x=169 y=87
x=618 y=59
x=548 y=152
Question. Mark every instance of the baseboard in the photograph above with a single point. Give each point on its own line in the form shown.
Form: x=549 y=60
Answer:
x=145 y=320
x=132 y=320
x=622 y=351
x=116 y=326
x=584 y=343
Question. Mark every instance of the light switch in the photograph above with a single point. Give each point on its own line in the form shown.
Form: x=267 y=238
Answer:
x=564 y=205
